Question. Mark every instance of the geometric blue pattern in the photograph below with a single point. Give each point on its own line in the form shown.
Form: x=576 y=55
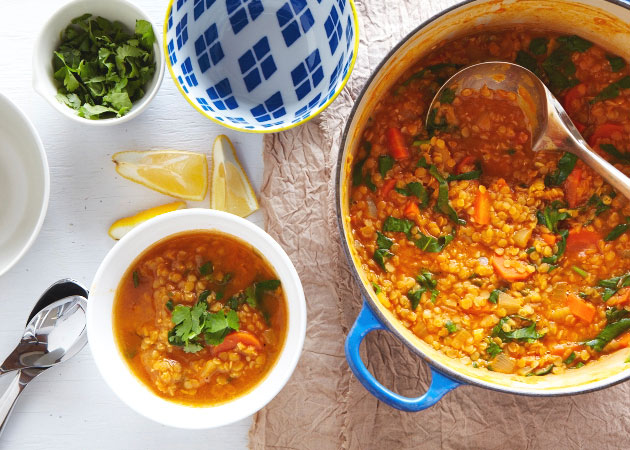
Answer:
x=201 y=6
x=208 y=47
x=254 y=59
x=333 y=29
x=272 y=107
x=304 y=111
x=349 y=33
x=189 y=76
x=204 y=104
x=240 y=12
x=260 y=65
x=171 y=52
x=307 y=75
x=181 y=83
x=292 y=16
x=221 y=95
x=181 y=32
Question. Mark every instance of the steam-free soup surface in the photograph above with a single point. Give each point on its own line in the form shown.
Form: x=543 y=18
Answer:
x=502 y=258
x=200 y=318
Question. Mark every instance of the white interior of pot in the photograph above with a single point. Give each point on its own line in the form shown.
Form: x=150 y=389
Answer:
x=600 y=21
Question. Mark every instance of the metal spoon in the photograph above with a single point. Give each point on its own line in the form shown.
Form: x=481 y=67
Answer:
x=54 y=333
x=550 y=126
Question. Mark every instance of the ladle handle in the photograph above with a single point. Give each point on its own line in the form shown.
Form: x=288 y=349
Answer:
x=8 y=399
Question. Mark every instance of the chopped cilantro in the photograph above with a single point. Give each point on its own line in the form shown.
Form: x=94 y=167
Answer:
x=101 y=69
x=450 y=326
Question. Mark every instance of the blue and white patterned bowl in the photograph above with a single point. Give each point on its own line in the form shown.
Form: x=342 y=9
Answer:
x=260 y=65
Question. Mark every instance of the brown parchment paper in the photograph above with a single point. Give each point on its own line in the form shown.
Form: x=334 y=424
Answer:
x=323 y=406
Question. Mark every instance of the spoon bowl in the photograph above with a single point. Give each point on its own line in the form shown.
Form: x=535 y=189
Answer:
x=55 y=334
x=549 y=124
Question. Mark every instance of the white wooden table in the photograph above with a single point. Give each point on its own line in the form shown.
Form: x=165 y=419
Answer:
x=70 y=406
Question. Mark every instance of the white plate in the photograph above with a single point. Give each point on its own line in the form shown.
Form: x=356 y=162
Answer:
x=24 y=184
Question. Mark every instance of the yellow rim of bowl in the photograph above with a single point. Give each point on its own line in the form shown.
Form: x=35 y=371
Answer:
x=231 y=127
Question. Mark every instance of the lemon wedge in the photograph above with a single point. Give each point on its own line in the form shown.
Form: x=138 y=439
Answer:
x=124 y=225
x=231 y=190
x=176 y=173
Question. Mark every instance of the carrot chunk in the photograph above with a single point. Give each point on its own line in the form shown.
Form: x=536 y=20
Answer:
x=580 y=308
x=605 y=130
x=231 y=340
x=620 y=297
x=509 y=269
x=396 y=143
x=576 y=188
x=387 y=187
x=580 y=240
x=411 y=209
x=482 y=208
x=550 y=239
x=466 y=164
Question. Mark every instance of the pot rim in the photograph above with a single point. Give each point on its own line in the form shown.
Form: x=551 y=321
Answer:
x=462 y=378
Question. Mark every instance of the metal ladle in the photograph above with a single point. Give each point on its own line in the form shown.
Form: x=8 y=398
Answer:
x=551 y=127
x=55 y=332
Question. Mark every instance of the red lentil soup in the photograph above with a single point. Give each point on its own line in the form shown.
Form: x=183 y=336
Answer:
x=502 y=258
x=200 y=318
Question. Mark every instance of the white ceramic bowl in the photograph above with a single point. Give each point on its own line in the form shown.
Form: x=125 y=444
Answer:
x=24 y=184
x=111 y=362
x=48 y=40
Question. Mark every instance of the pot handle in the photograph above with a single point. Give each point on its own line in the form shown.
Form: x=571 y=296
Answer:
x=364 y=324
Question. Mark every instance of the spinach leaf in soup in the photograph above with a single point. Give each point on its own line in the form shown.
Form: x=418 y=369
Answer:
x=538 y=46
x=566 y=164
x=524 y=334
x=617 y=63
x=385 y=164
x=394 y=224
x=551 y=216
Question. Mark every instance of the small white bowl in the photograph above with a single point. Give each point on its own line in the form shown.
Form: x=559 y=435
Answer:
x=48 y=41
x=116 y=371
x=24 y=184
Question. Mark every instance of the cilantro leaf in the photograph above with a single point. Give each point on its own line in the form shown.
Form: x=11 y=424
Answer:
x=450 y=326
x=104 y=67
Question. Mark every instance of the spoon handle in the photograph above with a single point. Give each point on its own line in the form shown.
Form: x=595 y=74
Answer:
x=8 y=399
